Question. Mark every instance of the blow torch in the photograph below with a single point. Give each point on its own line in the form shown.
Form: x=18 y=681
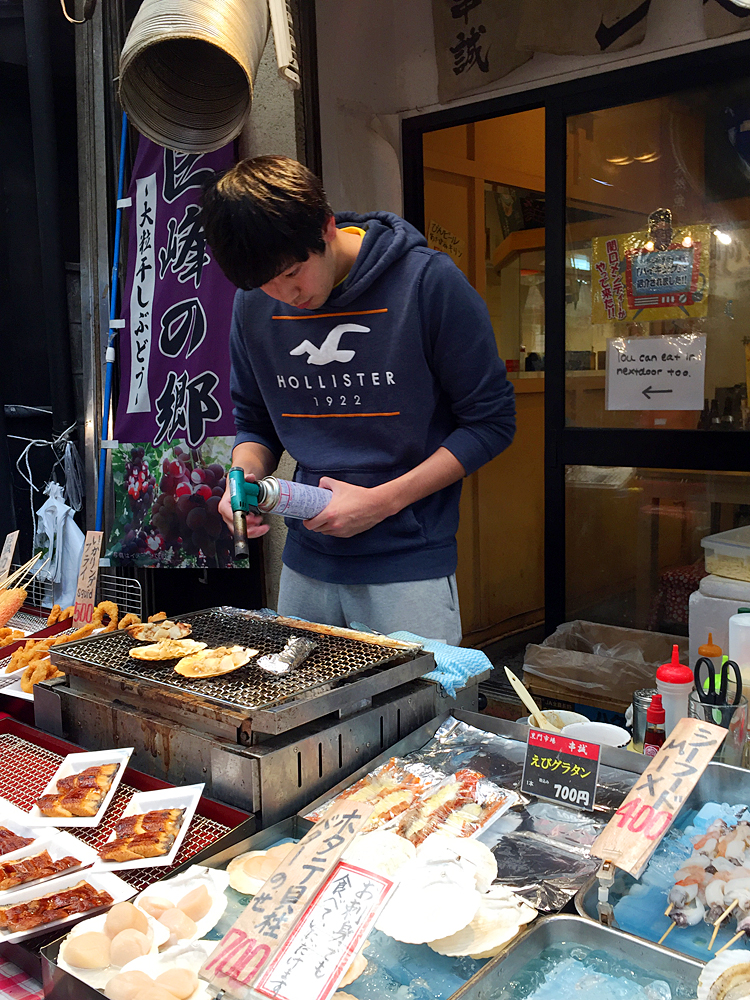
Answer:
x=244 y=497
x=270 y=496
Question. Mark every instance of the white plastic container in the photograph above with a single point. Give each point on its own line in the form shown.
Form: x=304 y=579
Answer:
x=729 y=590
x=707 y=614
x=674 y=682
x=739 y=644
x=598 y=732
x=728 y=553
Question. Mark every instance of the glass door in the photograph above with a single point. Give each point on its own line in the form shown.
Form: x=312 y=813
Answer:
x=651 y=401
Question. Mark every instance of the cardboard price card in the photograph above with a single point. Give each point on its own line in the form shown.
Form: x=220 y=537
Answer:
x=87 y=574
x=631 y=836
x=6 y=556
x=558 y=767
x=247 y=950
x=330 y=932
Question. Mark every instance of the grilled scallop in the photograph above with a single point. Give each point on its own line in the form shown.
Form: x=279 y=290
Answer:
x=155 y=631
x=214 y=662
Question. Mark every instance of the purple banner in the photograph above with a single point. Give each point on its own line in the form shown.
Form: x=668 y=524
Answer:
x=177 y=306
x=174 y=416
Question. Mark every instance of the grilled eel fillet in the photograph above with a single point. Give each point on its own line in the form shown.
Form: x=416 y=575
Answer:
x=10 y=841
x=79 y=898
x=146 y=835
x=79 y=794
x=28 y=869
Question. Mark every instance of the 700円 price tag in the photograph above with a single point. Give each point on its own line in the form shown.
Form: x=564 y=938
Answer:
x=560 y=768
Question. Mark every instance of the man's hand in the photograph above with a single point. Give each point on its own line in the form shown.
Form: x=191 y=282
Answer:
x=351 y=510
x=255 y=525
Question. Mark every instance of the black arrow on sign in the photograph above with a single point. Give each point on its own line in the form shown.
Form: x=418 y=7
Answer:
x=649 y=392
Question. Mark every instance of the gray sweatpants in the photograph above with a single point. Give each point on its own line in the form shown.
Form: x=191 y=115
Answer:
x=426 y=607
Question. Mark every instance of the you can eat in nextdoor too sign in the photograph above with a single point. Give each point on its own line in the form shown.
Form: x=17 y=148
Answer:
x=656 y=373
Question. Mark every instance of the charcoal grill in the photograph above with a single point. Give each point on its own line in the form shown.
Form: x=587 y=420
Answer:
x=267 y=744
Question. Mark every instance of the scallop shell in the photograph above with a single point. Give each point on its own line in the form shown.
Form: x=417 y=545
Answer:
x=154 y=631
x=479 y=858
x=249 y=882
x=709 y=986
x=174 y=889
x=498 y=920
x=431 y=901
x=355 y=970
x=381 y=852
x=181 y=956
x=98 y=978
x=166 y=649
x=215 y=662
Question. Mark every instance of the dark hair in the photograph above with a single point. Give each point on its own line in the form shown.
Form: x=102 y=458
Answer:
x=262 y=216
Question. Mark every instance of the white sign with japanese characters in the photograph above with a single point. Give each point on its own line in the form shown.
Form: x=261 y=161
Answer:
x=656 y=373
x=321 y=947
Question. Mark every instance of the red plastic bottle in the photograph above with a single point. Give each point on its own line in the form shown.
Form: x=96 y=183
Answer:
x=654 y=738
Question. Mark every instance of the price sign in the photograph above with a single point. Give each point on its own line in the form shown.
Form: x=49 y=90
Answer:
x=330 y=932
x=631 y=836
x=87 y=574
x=248 y=949
x=557 y=767
x=6 y=556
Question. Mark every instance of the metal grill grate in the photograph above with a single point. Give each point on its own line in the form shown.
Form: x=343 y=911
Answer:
x=28 y=622
x=25 y=771
x=249 y=687
x=125 y=591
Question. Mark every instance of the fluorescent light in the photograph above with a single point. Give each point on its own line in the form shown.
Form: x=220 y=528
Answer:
x=725 y=238
x=605 y=183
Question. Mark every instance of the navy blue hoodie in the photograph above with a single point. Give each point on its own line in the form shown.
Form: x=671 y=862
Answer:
x=400 y=360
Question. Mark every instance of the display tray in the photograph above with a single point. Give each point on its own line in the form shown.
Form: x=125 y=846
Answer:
x=510 y=975
x=643 y=916
x=339 y=655
x=29 y=758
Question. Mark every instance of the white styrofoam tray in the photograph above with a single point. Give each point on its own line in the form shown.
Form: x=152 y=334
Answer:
x=101 y=881
x=12 y=818
x=73 y=764
x=186 y=798
x=58 y=845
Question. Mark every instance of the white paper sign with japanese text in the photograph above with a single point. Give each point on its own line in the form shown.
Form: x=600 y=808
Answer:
x=87 y=576
x=333 y=928
x=6 y=556
x=656 y=373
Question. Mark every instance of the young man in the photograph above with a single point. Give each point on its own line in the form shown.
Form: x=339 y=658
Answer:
x=372 y=361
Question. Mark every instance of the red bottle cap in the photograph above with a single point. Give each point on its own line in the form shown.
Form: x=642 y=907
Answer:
x=674 y=672
x=656 y=713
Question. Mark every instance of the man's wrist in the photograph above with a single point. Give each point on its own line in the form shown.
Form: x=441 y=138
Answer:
x=390 y=498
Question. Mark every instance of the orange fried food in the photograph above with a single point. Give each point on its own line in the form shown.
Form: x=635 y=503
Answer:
x=67 y=612
x=11 y=635
x=37 y=670
x=109 y=610
x=159 y=616
x=54 y=614
x=129 y=619
x=10 y=602
x=80 y=633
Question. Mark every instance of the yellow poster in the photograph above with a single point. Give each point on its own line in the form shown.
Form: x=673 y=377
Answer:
x=439 y=238
x=631 y=280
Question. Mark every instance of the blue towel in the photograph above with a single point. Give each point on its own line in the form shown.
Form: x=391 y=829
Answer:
x=454 y=664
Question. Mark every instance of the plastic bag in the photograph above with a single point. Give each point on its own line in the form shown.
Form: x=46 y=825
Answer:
x=62 y=540
x=587 y=660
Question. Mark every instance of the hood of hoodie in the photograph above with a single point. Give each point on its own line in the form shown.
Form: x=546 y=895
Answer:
x=387 y=238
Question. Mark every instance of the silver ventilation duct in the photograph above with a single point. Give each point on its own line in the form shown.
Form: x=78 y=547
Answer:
x=187 y=70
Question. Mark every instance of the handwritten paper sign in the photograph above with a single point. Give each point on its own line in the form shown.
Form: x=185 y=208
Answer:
x=438 y=238
x=333 y=928
x=87 y=574
x=656 y=373
x=557 y=767
x=631 y=836
x=6 y=556
x=247 y=950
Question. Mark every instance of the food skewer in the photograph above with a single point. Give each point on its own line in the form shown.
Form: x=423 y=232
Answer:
x=667 y=931
x=719 y=920
x=669 y=909
x=16 y=574
x=38 y=571
x=729 y=943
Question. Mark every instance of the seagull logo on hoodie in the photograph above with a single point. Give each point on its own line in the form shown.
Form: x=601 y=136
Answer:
x=329 y=350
